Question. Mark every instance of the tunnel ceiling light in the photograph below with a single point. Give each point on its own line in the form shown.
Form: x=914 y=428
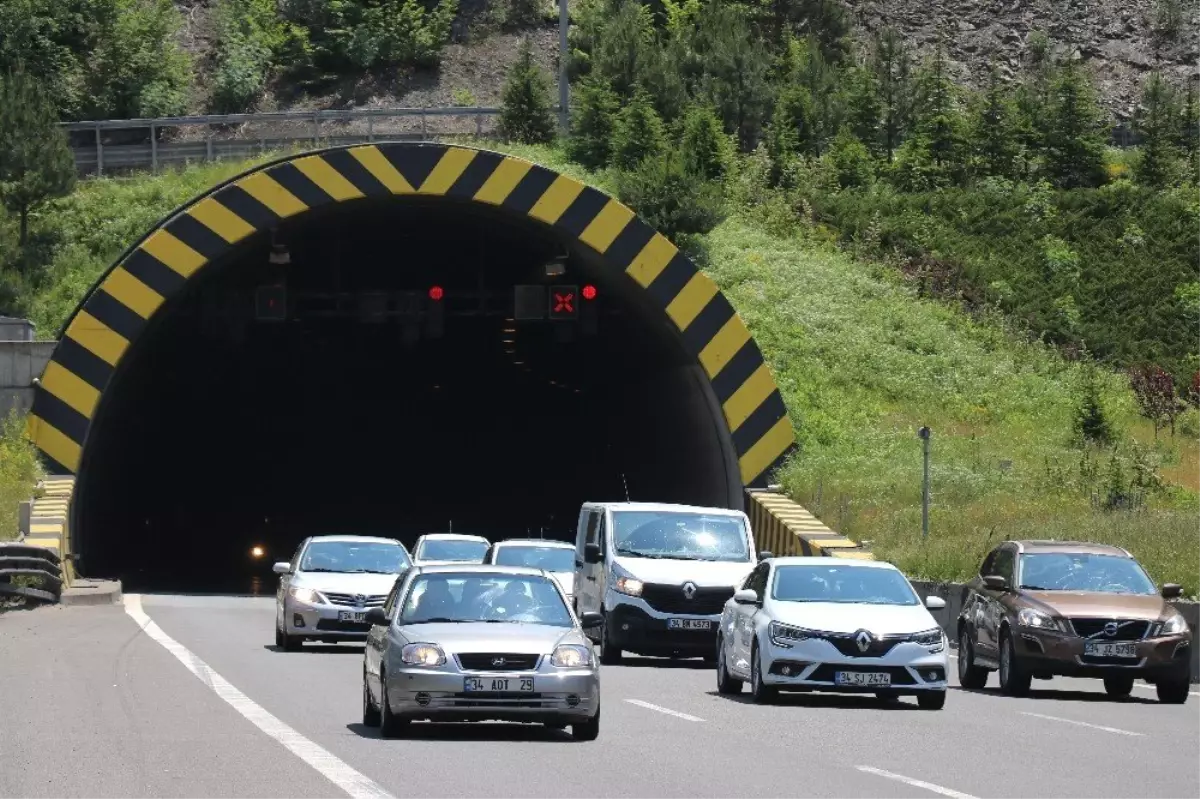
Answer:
x=589 y=292
x=436 y=293
x=556 y=268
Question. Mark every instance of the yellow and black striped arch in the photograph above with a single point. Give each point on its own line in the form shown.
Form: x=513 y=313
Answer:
x=115 y=312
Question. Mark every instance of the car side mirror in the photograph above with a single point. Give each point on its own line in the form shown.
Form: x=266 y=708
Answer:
x=935 y=603
x=592 y=553
x=746 y=596
x=283 y=567
x=591 y=619
x=1172 y=591
x=376 y=617
x=766 y=554
x=995 y=582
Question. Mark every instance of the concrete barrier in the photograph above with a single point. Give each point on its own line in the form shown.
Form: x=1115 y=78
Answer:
x=955 y=593
x=783 y=527
x=20 y=363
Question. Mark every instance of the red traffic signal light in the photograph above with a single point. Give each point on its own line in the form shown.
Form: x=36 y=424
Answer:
x=436 y=293
x=589 y=292
x=270 y=303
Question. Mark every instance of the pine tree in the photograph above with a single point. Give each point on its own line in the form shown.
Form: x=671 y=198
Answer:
x=729 y=68
x=805 y=67
x=851 y=160
x=1188 y=136
x=995 y=139
x=36 y=164
x=1033 y=101
x=638 y=133
x=1077 y=132
x=893 y=66
x=703 y=144
x=940 y=125
x=525 y=113
x=1156 y=123
x=864 y=110
x=593 y=112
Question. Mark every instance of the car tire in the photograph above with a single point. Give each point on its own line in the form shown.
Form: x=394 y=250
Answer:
x=1118 y=685
x=763 y=694
x=288 y=643
x=370 y=710
x=726 y=683
x=931 y=700
x=610 y=655
x=587 y=730
x=390 y=725
x=970 y=676
x=1014 y=680
x=1173 y=692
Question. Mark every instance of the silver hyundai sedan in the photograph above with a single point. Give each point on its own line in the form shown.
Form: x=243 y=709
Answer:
x=479 y=643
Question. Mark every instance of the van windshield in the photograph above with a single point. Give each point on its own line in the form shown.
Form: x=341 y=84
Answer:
x=677 y=535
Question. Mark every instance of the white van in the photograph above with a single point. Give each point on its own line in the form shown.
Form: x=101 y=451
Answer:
x=660 y=574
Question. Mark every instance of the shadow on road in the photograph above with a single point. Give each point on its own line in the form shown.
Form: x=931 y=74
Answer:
x=665 y=663
x=470 y=731
x=319 y=649
x=819 y=701
x=1095 y=697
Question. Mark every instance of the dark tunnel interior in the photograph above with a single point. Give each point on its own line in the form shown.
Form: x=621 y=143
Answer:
x=224 y=430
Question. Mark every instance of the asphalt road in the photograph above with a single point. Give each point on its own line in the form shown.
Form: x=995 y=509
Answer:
x=94 y=705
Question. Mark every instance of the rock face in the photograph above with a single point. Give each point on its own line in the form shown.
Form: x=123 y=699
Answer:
x=1120 y=42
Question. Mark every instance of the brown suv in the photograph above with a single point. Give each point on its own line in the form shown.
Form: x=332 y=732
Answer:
x=1046 y=608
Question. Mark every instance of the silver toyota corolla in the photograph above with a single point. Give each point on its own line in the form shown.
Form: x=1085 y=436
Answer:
x=476 y=643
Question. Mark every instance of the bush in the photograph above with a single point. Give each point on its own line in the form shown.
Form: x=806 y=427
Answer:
x=20 y=470
x=851 y=160
x=523 y=14
x=390 y=33
x=1091 y=422
x=673 y=201
x=593 y=113
x=138 y=68
x=707 y=151
x=251 y=35
x=638 y=133
x=525 y=114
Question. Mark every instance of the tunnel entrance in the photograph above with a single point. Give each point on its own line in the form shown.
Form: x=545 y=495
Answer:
x=384 y=379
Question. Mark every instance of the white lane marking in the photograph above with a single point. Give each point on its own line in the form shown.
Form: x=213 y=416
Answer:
x=1082 y=724
x=355 y=784
x=668 y=711
x=929 y=786
x=1141 y=687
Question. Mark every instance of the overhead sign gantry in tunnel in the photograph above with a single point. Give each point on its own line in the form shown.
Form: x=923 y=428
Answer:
x=395 y=338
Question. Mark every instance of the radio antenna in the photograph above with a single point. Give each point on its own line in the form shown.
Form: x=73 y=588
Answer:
x=624 y=483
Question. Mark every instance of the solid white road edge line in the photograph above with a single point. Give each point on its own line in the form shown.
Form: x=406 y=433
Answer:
x=668 y=711
x=929 y=786
x=333 y=769
x=1082 y=724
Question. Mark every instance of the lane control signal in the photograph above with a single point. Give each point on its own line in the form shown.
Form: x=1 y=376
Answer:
x=529 y=302
x=435 y=313
x=564 y=302
x=270 y=303
x=587 y=311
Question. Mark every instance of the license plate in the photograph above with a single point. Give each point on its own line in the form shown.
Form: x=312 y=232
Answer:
x=689 y=624
x=499 y=685
x=1107 y=649
x=862 y=678
x=352 y=615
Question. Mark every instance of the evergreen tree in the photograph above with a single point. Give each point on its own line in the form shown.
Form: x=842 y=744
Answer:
x=940 y=126
x=851 y=160
x=1188 y=137
x=638 y=133
x=703 y=144
x=1034 y=102
x=803 y=65
x=672 y=200
x=36 y=164
x=893 y=67
x=826 y=20
x=1077 y=131
x=1156 y=123
x=593 y=111
x=624 y=47
x=525 y=112
x=994 y=131
x=864 y=110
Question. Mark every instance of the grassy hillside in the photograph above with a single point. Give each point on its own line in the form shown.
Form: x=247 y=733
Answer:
x=862 y=361
x=19 y=472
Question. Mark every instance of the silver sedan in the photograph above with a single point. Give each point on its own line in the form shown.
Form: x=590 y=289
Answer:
x=476 y=643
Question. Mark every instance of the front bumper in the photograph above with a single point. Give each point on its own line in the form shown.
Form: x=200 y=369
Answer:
x=1051 y=654
x=813 y=665
x=317 y=621
x=437 y=694
x=636 y=627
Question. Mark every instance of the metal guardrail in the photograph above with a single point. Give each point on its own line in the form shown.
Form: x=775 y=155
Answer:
x=39 y=563
x=118 y=145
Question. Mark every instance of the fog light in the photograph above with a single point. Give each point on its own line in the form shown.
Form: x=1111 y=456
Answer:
x=423 y=698
x=572 y=700
x=787 y=671
x=932 y=676
x=297 y=620
x=625 y=626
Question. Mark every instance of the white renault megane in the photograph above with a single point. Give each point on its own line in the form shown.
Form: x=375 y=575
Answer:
x=828 y=624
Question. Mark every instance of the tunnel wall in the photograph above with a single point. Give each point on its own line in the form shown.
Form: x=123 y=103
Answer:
x=125 y=299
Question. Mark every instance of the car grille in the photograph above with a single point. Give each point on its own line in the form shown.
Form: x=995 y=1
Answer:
x=351 y=600
x=500 y=701
x=825 y=673
x=878 y=647
x=670 y=599
x=482 y=661
x=1126 y=630
x=335 y=626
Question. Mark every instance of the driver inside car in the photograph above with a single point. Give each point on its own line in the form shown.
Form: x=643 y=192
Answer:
x=436 y=602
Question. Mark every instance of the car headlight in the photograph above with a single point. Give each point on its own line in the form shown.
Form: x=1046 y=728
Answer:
x=933 y=640
x=1028 y=617
x=423 y=655
x=625 y=583
x=784 y=635
x=571 y=656
x=306 y=595
x=1174 y=625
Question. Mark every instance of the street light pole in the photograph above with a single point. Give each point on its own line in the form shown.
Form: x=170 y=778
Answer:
x=564 y=87
x=924 y=435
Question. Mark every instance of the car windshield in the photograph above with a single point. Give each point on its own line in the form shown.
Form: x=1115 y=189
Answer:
x=1063 y=571
x=449 y=549
x=376 y=557
x=859 y=584
x=552 y=559
x=487 y=598
x=680 y=535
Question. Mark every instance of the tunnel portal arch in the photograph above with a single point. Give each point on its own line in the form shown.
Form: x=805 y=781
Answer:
x=107 y=324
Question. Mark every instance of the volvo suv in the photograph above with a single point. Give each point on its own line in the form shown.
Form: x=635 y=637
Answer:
x=1039 y=609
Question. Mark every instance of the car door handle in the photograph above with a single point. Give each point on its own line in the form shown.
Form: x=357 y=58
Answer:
x=578 y=564
x=592 y=577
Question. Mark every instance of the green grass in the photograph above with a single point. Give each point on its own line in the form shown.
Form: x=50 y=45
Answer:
x=862 y=362
x=19 y=472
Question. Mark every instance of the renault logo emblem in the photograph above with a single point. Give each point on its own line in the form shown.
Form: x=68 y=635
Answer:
x=689 y=590
x=863 y=639
x=498 y=661
x=1111 y=628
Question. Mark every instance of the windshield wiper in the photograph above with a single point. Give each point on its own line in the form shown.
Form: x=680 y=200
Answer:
x=319 y=570
x=1036 y=588
x=437 y=620
x=653 y=555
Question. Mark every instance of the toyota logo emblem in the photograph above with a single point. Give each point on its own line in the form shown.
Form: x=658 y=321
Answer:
x=863 y=639
x=498 y=661
x=360 y=600
x=689 y=590
x=1110 y=629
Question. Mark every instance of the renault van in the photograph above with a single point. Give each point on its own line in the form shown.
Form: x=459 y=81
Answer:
x=659 y=574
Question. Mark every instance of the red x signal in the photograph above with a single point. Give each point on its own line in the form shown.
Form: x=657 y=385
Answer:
x=562 y=303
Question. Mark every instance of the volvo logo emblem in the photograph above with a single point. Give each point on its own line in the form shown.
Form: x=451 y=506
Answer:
x=1110 y=629
x=863 y=639
x=498 y=661
x=689 y=590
